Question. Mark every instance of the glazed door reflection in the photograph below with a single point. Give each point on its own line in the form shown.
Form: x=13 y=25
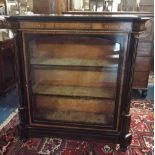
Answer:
x=73 y=79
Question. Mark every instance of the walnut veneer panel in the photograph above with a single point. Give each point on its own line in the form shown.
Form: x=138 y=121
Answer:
x=84 y=78
x=73 y=47
x=73 y=116
x=74 y=104
x=74 y=91
x=74 y=109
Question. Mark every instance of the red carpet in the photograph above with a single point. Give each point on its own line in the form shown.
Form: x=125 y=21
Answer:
x=142 y=128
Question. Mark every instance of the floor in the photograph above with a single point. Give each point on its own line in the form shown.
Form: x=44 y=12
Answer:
x=9 y=102
x=136 y=94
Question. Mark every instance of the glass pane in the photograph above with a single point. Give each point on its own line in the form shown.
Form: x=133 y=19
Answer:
x=85 y=110
x=74 y=79
x=74 y=82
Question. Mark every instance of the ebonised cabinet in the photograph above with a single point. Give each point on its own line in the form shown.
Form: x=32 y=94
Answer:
x=76 y=75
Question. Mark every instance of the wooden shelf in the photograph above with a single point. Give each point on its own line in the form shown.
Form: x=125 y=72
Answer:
x=76 y=62
x=53 y=103
x=74 y=91
x=73 y=116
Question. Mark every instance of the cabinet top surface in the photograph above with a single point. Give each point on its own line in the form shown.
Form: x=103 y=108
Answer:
x=129 y=13
x=53 y=17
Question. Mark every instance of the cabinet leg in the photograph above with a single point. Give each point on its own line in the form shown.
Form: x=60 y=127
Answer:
x=144 y=93
x=123 y=147
x=125 y=141
x=23 y=136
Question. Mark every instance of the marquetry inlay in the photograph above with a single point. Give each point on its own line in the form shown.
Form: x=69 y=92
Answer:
x=77 y=25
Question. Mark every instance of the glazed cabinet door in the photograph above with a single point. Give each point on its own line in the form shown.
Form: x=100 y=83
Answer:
x=75 y=80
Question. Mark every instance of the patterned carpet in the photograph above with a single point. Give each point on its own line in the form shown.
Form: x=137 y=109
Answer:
x=142 y=128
